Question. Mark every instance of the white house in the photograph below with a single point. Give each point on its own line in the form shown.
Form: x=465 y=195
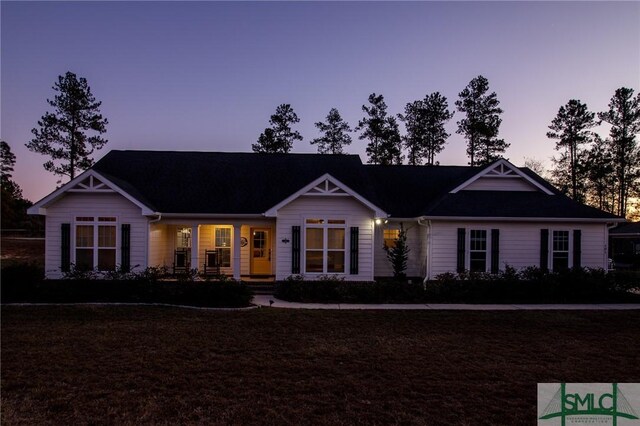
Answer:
x=276 y=215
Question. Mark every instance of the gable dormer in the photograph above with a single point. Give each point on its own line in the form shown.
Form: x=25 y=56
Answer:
x=325 y=186
x=502 y=176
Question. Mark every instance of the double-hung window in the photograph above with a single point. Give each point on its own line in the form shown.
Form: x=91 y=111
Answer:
x=95 y=243
x=478 y=250
x=325 y=246
x=560 y=250
x=222 y=243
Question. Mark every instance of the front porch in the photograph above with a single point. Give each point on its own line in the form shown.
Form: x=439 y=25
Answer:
x=243 y=251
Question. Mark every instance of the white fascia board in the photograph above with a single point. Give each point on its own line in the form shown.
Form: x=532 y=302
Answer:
x=40 y=207
x=273 y=211
x=506 y=163
x=521 y=219
x=213 y=216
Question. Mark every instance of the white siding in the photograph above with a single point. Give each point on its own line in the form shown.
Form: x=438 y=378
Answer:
x=487 y=183
x=519 y=243
x=355 y=214
x=416 y=241
x=83 y=204
x=161 y=243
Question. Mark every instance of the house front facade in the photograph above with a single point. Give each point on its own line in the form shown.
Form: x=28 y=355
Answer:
x=270 y=216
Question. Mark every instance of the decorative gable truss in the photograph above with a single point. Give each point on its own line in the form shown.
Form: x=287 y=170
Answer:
x=326 y=186
x=502 y=176
x=91 y=184
x=502 y=171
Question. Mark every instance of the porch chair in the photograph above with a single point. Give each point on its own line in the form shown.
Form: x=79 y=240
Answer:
x=211 y=262
x=182 y=260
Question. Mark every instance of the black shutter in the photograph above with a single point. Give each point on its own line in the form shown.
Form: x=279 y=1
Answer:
x=353 y=259
x=495 y=251
x=577 y=248
x=125 y=247
x=295 y=250
x=461 y=249
x=65 y=247
x=544 y=249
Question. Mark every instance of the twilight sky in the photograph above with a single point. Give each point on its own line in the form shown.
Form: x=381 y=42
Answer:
x=207 y=75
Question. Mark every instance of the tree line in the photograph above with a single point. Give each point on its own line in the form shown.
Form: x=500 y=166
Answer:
x=424 y=121
x=603 y=172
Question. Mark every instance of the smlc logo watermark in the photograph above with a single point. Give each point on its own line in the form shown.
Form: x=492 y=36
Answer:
x=564 y=404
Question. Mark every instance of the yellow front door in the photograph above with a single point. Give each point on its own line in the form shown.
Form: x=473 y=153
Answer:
x=260 y=251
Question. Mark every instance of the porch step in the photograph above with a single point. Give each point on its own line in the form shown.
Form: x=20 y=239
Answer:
x=266 y=288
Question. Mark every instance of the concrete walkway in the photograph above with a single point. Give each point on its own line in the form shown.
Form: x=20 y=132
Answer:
x=265 y=300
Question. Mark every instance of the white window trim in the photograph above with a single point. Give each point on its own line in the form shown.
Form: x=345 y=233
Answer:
x=230 y=246
x=325 y=243
x=467 y=248
x=550 y=247
x=94 y=223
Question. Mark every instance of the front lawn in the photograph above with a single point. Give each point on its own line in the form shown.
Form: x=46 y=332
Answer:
x=75 y=365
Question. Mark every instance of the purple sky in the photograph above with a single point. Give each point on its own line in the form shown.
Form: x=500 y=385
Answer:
x=207 y=75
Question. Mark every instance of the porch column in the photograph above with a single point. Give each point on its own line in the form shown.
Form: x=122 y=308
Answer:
x=194 y=247
x=236 y=251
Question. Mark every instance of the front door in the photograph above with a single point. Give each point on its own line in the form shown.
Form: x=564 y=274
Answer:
x=260 y=251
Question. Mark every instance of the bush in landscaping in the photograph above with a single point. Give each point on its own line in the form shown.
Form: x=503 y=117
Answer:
x=331 y=289
x=26 y=283
x=529 y=285
x=533 y=285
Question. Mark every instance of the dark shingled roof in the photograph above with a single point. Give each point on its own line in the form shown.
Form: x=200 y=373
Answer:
x=626 y=228
x=221 y=182
x=249 y=183
x=512 y=204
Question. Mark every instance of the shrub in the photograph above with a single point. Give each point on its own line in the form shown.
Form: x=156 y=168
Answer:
x=331 y=289
x=26 y=283
x=533 y=285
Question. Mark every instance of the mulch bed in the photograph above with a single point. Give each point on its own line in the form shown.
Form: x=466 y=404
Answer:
x=79 y=365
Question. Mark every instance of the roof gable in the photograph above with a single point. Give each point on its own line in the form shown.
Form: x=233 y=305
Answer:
x=88 y=182
x=325 y=186
x=501 y=176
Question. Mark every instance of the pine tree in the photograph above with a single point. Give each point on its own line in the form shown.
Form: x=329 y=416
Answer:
x=335 y=134
x=426 y=135
x=624 y=117
x=481 y=123
x=7 y=162
x=572 y=128
x=385 y=143
x=600 y=174
x=62 y=135
x=398 y=255
x=279 y=137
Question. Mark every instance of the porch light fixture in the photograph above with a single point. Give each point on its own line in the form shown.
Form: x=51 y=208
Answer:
x=378 y=221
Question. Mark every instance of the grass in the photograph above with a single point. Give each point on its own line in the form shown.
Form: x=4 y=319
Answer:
x=22 y=250
x=79 y=365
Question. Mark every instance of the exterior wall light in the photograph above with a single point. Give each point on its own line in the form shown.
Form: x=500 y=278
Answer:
x=378 y=221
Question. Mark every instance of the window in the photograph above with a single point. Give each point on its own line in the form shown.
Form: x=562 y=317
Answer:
x=222 y=243
x=560 y=248
x=95 y=243
x=390 y=236
x=478 y=250
x=325 y=246
x=183 y=238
